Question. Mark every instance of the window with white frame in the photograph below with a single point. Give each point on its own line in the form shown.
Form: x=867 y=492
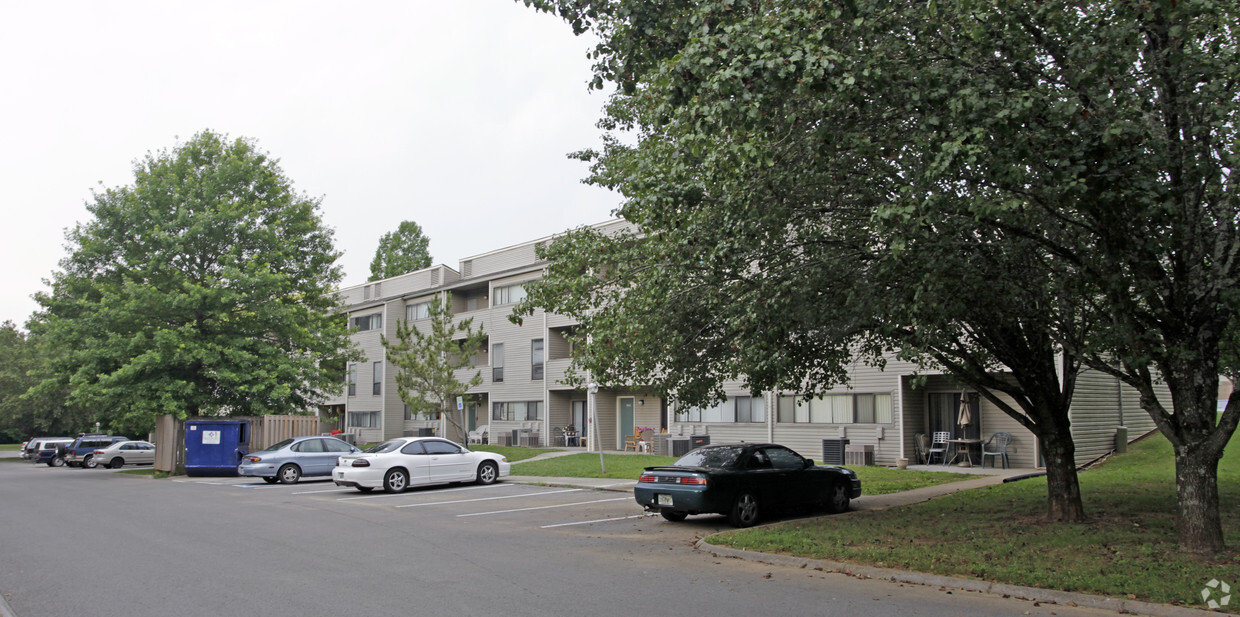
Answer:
x=497 y=362
x=517 y=411
x=734 y=409
x=509 y=294
x=367 y=322
x=364 y=419
x=376 y=385
x=421 y=310
x=861 y=408
x=536 y=359
x=351 y=379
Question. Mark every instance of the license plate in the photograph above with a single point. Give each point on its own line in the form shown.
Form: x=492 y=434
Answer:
x=664 y=500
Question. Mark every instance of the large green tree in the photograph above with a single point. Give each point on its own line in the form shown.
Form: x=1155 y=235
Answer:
x=429 y=354
x=207 y=286
x=404 y=250
x=891 y=157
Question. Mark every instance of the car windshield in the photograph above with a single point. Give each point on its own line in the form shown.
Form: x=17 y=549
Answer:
x=715 y=456
x=278 y=445
x=386 y=446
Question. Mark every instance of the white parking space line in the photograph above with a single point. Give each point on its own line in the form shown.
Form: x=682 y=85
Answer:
x=560 y=505
x=446 y=490
x=442 y=503
x=330 y=490
x=601 y=520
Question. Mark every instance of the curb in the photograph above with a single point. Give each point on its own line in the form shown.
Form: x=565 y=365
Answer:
x=1046 y=596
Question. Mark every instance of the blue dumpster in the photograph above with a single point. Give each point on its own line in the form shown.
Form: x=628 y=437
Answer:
x=215 y=447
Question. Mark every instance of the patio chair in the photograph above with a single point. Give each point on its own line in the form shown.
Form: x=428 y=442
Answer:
x=921 y=448
x=938 y=445
x=630 y=441
x=997 y=447
x=478 y=435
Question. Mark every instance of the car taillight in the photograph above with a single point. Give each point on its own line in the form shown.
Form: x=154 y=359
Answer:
x=98 y=451
x=692 y=480
x=646 y=477
x=360 y=462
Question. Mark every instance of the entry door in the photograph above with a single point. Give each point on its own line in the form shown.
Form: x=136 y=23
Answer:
x=471 y=410
x=626 y=420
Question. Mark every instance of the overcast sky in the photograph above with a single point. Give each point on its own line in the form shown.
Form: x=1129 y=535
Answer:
x=456 y=114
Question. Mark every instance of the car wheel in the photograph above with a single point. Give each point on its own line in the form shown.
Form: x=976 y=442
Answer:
x=289 y=474
x=673 y=515
x=89 y=462
x=836 y=498
x=744 y=510
x=270 y=480
x=395 y=480
x=488 y=472
x=117 y=463
x=56 y=461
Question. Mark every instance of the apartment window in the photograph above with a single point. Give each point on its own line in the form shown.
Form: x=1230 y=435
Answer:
x=536 y=359
x=351 y=379
x=497 y=362
x=368 y=322
x=421 y=310
x=517 y=411
x=471 y=303
x=509 y=294
x=364 y=419
x=408 y=413
x=377 y=379
x=734 y=409
x=862 y=408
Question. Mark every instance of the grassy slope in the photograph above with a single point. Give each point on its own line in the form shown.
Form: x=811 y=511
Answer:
x=1127 y=547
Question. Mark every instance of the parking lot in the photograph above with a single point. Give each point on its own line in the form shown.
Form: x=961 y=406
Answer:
x=518 y=506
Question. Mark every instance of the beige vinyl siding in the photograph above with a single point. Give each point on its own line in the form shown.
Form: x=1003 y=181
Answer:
x=1094 y=414
x=499 y=261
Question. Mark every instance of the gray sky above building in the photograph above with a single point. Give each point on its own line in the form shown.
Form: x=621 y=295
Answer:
x=455 y=114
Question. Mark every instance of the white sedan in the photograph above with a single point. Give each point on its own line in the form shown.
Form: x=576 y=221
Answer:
x=397 y=464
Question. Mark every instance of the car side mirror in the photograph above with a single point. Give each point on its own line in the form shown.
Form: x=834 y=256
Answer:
x=809 y=462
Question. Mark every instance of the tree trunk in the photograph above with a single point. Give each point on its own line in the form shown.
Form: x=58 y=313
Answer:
x=1196 y=487
x=1063 y=489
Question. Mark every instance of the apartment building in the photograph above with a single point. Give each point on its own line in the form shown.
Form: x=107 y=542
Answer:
x=524 y=399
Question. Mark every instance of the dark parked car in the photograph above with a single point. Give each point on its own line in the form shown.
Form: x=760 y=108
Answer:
x=81 y=453
x=744 y=482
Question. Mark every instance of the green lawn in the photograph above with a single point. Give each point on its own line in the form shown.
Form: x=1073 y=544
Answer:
x=513 y=453
x=10 y=447
x=586 y=465
x=1127 y=548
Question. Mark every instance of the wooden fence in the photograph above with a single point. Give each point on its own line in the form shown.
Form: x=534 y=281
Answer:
x=264 y=431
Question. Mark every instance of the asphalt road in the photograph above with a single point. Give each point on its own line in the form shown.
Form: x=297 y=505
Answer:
x=103 y=544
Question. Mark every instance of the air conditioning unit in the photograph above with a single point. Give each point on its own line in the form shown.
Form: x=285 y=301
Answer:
x=859 y=455
x=833 y=451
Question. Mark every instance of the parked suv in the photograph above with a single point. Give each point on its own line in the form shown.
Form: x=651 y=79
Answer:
x=43 y=450
x=81 y=453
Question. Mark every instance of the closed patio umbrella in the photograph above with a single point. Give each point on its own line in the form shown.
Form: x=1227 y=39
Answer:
x=966 y=412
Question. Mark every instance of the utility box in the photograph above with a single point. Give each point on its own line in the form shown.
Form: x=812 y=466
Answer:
x=215 y=447
x=697 y=441
x=678 y=446
x=1121 y=439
